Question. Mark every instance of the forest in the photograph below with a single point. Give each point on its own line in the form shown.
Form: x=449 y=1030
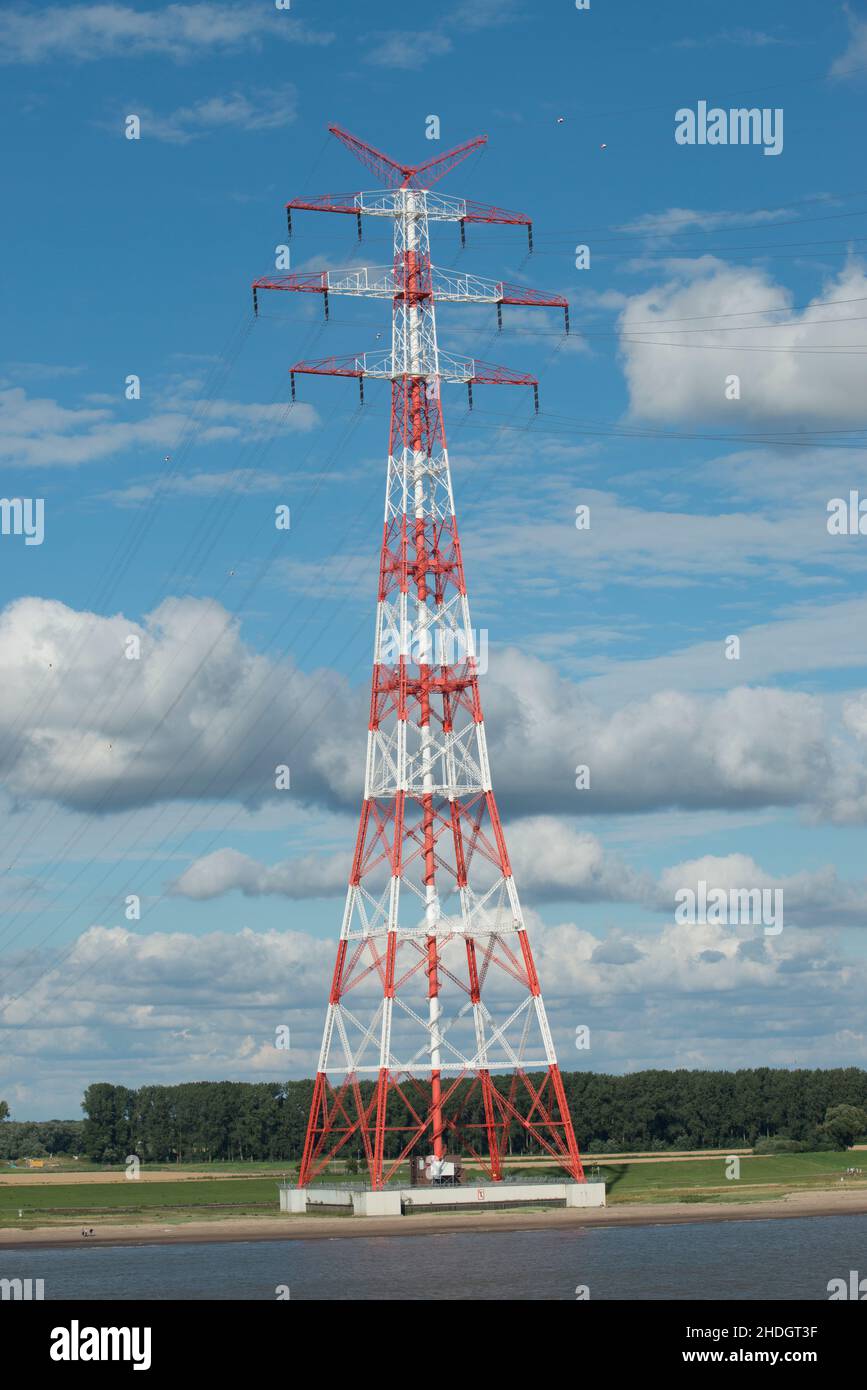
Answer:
x=209 y=1121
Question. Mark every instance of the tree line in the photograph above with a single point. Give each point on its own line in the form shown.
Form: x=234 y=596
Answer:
x=40 y=1138
x=210 y=1121
x=654 y=1110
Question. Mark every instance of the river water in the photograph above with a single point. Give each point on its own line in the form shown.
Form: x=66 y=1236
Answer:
x=764 y=1260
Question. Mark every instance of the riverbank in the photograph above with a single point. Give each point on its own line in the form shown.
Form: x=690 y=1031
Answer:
x=794 y=1205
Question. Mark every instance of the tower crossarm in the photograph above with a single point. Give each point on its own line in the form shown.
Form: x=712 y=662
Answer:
x=389 y=282
x=388 y=202
x=326 y=202
x=483 y=212
x=454 y=370
x=347 y=203
x=375 y=364
x=459 y=287
x=488 y=374
x=369 y=282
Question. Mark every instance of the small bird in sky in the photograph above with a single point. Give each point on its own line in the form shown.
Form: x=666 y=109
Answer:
x=561 y=120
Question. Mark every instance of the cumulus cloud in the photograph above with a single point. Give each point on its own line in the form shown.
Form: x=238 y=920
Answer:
x=811 y=898
x=551 y=860
x=807 y=377
x=202 y=715
x=554 y=862
x=308 y=876
x=162 y=1008
x=198 y=715
x=167 y=1006
x=748 y=747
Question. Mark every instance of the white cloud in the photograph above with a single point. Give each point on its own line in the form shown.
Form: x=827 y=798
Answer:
x=550 y=860
x=245 y=480
x=40 y=433
x=308 y=876
x=808 y=639
x=746 y=747
x=666 y=546
x=484 y=14
x=554 y=862
x=676 y=220
x=162 y=1007
x=806 y=377
x=853 y=61
x=811 y=898
x=204 y=716
x=199 y=715
x=411 y=49
x=263 y=110
x=407 y=49
x=86 y=33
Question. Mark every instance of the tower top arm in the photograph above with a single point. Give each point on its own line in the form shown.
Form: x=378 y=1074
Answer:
x=420 y=178
x=406 y=175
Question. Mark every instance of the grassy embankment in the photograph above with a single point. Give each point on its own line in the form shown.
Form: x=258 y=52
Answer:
x=175 y=1194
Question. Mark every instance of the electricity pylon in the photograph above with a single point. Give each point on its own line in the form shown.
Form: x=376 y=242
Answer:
x=435 y=997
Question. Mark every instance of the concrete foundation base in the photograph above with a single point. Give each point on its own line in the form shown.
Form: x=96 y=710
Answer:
x=293 y=1199
x=512 y=1194
x=385 y=1203
x=400 y=1201
x=585 y=1194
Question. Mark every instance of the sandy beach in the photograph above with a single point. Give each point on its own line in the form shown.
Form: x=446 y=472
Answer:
x=801 y=1204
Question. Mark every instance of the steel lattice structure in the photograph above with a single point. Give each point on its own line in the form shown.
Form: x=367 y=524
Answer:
x=435 y=997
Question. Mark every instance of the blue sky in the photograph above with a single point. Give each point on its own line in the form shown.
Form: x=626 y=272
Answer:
x=606 y=646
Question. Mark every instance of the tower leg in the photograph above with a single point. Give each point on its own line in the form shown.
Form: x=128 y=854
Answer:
x=316 y=1106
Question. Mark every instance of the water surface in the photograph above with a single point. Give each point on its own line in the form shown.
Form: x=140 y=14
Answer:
x=776 y=1259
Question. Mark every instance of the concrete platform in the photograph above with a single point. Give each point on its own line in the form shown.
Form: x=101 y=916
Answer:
x=401 y=1201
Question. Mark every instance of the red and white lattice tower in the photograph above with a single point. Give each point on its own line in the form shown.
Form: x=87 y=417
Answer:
x=435 y=997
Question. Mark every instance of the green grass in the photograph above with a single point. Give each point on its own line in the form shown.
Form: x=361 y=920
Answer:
x=673 y=1181
x=238 y=1191
x=124 y=1201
